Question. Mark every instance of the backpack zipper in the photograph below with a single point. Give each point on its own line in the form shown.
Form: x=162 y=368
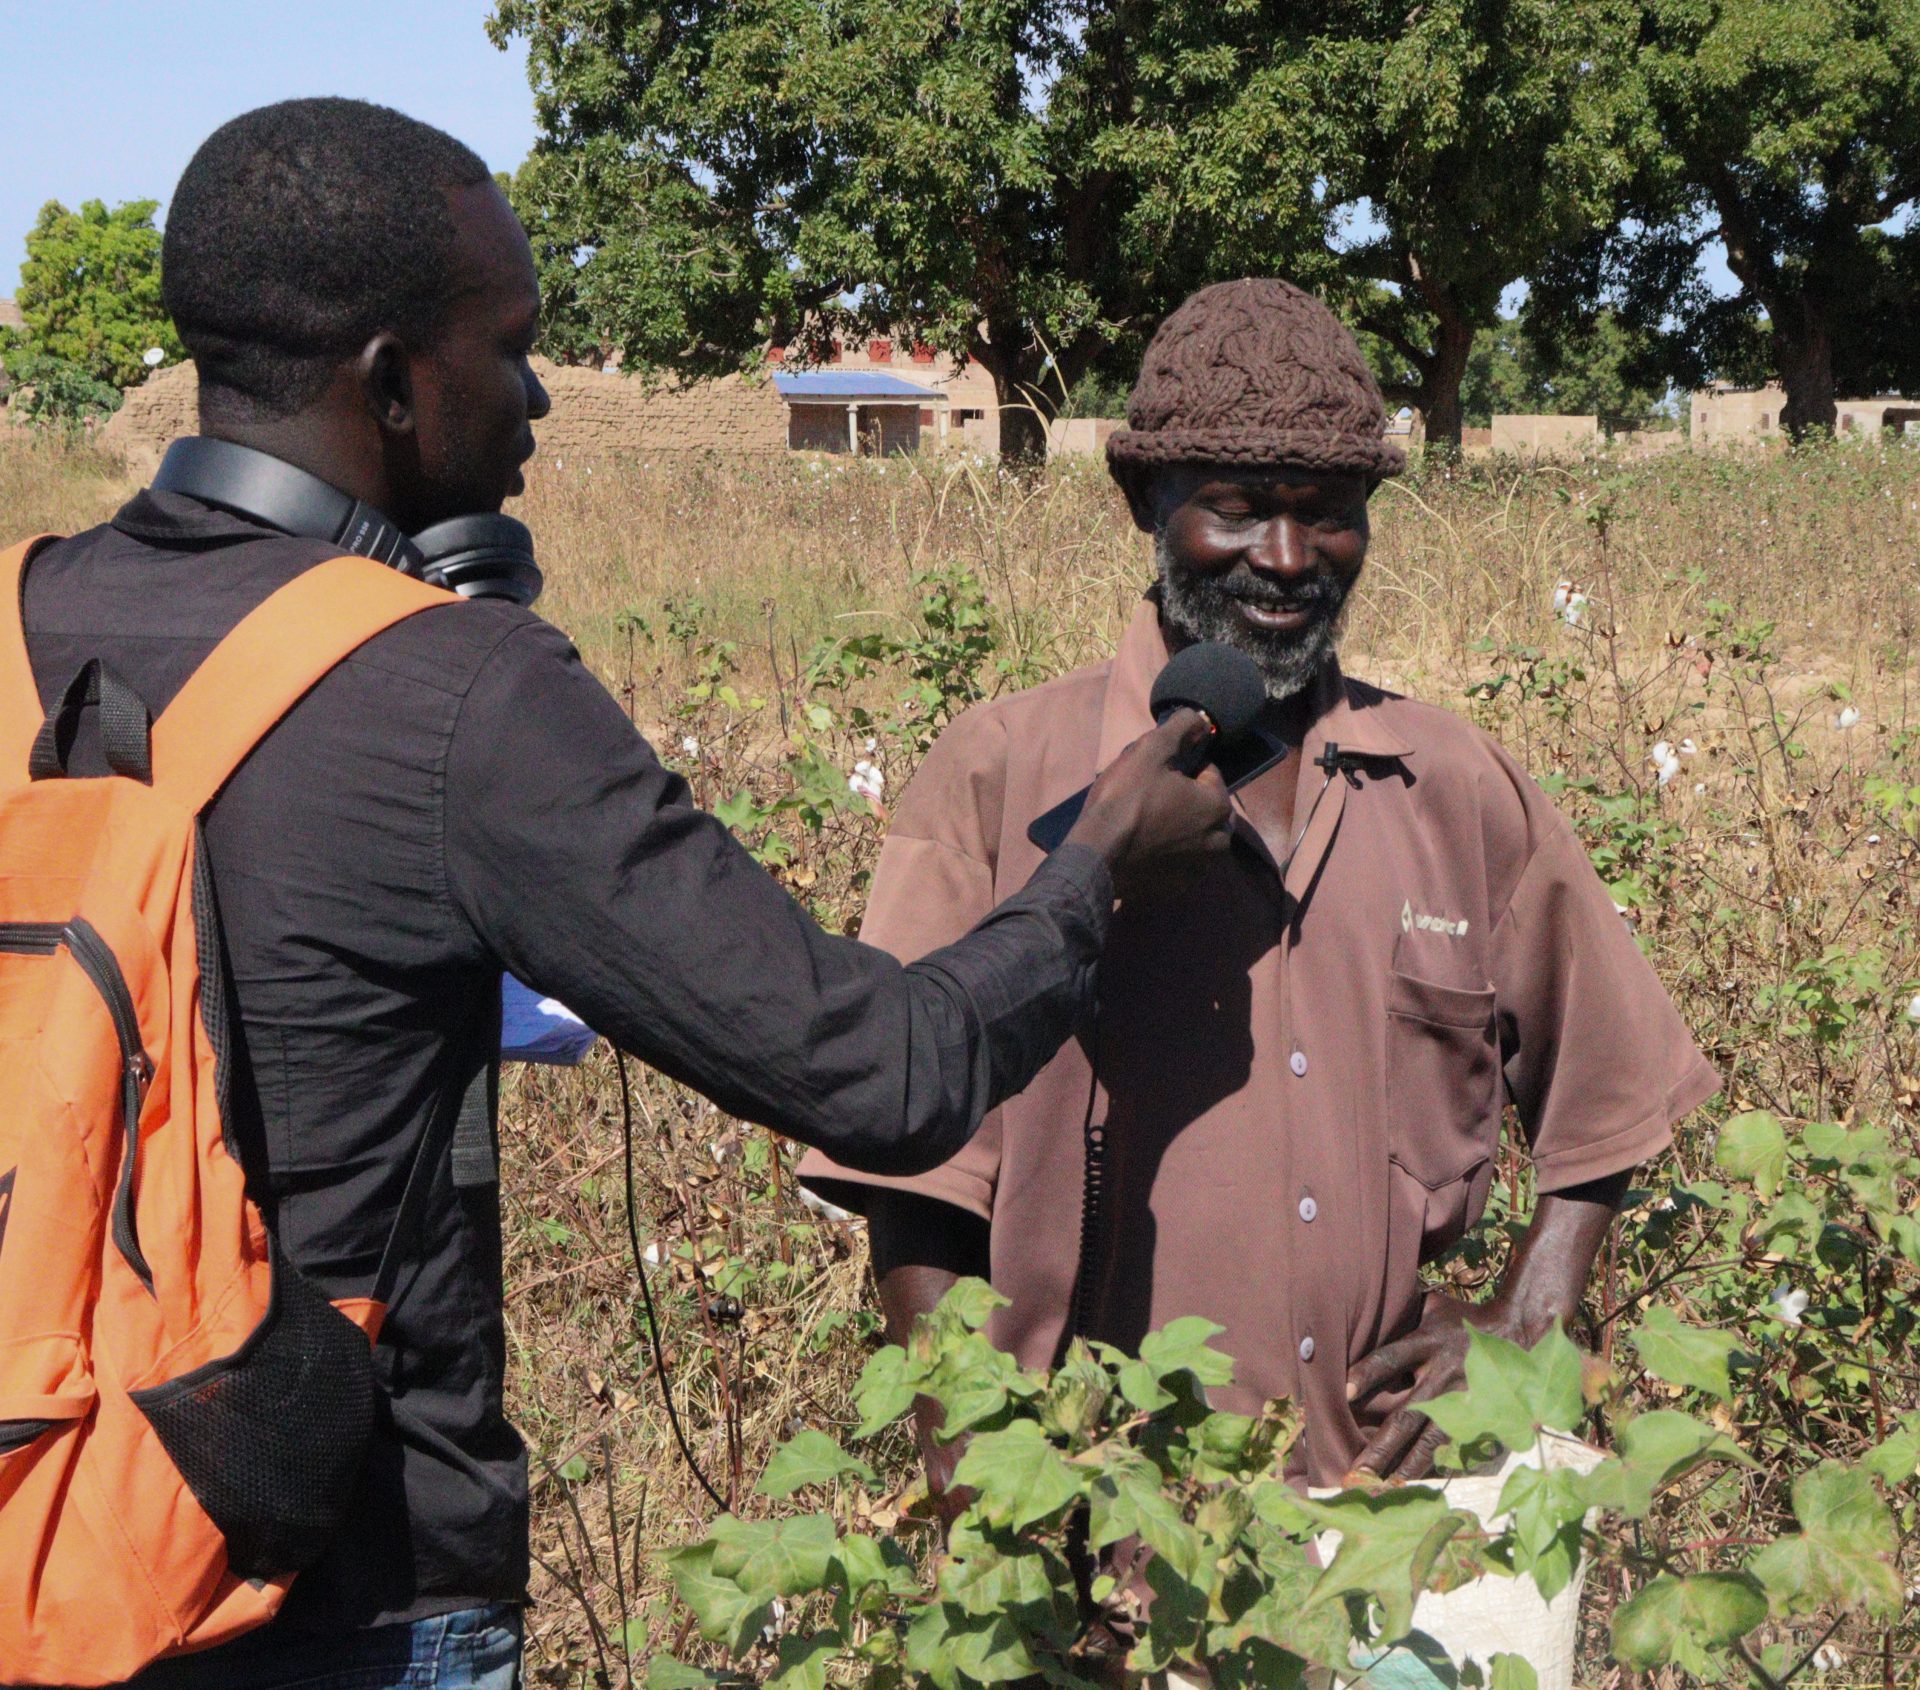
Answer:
x=99 y=964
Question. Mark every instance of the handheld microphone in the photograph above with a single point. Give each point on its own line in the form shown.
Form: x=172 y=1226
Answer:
x=1223 y=684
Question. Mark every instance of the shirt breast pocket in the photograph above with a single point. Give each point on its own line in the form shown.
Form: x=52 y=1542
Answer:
x=1443 y=1098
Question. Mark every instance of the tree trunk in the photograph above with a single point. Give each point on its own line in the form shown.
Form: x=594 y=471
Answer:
x=1452 y=343
x=1804 y=358
x=1025 y=409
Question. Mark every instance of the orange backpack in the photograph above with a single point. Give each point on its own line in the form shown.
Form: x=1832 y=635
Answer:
x=182 y=1414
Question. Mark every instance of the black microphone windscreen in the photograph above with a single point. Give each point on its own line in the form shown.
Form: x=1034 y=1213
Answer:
x=1216 y=678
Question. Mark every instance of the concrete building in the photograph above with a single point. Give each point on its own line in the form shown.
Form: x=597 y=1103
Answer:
x=1723 y=413
x=870 y=413
x=10 y=317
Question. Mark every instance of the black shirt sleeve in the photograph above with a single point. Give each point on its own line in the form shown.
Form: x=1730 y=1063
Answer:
x=584 y=866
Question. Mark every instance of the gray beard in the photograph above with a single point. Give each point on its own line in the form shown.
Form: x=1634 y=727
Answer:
x=1207 y=607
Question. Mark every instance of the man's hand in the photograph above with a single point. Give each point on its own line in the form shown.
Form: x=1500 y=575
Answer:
x=1153 y=824
x=1544 y=1282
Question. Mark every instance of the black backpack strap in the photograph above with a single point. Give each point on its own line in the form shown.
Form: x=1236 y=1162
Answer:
x=126 y=726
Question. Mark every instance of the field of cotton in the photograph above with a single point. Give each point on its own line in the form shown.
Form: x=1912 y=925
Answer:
x=1710 y=659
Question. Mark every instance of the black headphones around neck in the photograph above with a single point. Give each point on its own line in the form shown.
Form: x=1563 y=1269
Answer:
x=486 y=556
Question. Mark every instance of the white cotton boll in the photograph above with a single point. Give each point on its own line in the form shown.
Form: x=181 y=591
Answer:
x=866 y=781
x=1665 y=764
x=1848 y=718
x=1575 y=607
x=1873 y=839
x=690 y=746
x=153 y=357
x=1787 y=1305
x=872 y=743
x=1913 y=1007
x=1688 y=748
x=722 y=1152
x=1826 y=1658
x=653 y=1255
x=1562 y=590
x=1662 y=752
x=1699 y=787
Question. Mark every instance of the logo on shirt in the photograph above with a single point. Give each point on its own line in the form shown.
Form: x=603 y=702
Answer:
x=1411 y=923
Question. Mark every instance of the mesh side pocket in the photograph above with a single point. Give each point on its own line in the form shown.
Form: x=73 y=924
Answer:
x=271 y=1438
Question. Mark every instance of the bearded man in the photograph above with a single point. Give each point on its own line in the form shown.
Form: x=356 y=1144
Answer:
x=1291 y=1095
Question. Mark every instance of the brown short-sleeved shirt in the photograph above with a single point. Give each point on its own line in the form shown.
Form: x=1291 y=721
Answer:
x=1302 y=1084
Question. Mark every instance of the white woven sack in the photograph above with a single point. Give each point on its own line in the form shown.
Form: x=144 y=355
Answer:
x=1492 y=1615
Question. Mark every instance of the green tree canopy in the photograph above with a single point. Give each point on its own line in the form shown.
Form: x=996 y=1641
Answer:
x=1593 y=369
x=1030 y=183
x=1790 y=131
x=90 y=289
x=1478 y=136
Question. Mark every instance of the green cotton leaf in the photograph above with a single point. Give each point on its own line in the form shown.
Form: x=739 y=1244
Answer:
x=807 y=1458
x=1843 y=1554
x=969 y=1303
x=1896 y=1460
x=1181 y=1347
x=804 y=1659
x=1548 y=1506
x=1681 y=1619
x=1267 y=1603
x=1792 y=1218
x=666 y=1673
x=1129 y=1500
x=1030 y=1585
x=884 y=1392
x=729 y=1613
x=1019 y=1475
x=1692 y=1356
x=783 y=1557
x=868 y=1563
x=1512 y=1394
x=953 y=1648
x=1652 y=1450
x=1389 y=1543
x=1511 y=1672
x=1176 y=1622
x=1224 y=1445
x=1753 y=1147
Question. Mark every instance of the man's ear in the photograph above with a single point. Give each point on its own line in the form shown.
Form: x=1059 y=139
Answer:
x=385 y=369
x=1142 y=490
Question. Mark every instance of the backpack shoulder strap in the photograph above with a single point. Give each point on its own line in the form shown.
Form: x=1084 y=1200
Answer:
x=269 y=661
x=20 y=712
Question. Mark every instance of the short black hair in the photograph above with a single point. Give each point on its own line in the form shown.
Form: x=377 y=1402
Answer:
x=301 y=230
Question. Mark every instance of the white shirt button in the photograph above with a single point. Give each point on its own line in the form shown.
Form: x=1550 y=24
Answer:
x=1308 y=1208
x=1298 y=1063
x=1306 y=1347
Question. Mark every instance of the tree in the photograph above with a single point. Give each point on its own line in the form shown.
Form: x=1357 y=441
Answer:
x=90 y=289
x=1791 y=133
x=1476 y=137
x=1026 y=182
x=1522 y=366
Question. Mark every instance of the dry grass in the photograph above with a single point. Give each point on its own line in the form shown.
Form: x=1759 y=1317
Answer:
x=1768 y=854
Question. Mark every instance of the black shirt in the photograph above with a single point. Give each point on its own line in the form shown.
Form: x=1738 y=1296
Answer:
x=461 y=796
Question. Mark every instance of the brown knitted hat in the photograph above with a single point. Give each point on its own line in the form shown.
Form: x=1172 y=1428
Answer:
x=1254 y=373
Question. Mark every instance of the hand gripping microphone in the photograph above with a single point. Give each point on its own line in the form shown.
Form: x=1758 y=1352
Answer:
x=1221 y=683
x=482 y=556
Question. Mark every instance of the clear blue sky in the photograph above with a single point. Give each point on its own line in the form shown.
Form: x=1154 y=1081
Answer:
x=106 y=99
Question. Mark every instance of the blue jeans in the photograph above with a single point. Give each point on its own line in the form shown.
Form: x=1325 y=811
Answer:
x=474 y=1649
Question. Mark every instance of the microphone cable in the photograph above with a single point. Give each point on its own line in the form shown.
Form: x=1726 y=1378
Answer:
x=646 y=1294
